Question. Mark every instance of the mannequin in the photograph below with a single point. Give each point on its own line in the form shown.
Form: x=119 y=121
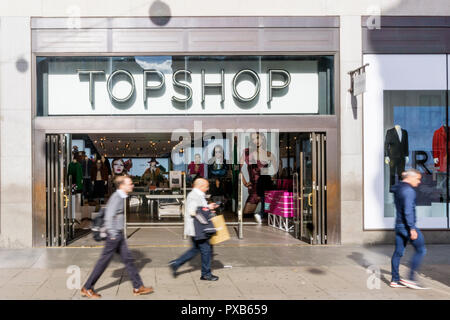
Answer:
x=76 y=172
x=152 y=176
x=196 y=168
x=106 y=163
x=86 y=167
x=396 y=152
x=216 y=165
x=439 y=146
x=99 y=179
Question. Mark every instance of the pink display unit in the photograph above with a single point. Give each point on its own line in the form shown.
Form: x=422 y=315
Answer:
x=280 y=207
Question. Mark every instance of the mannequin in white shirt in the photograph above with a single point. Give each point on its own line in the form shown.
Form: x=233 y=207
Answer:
x=398 y=128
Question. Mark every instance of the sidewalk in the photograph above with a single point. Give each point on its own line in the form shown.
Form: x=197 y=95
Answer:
x=246 y=272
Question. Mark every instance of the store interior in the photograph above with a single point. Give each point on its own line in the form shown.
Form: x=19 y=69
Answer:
x=163 y=169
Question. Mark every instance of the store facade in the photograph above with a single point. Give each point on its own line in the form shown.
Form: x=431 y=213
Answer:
x=277 y=82
x=132 y=76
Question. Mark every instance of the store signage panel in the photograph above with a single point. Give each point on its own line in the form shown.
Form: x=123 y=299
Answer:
x=180 y=88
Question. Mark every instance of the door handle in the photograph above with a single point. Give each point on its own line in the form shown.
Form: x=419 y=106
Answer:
x=66 y=200
x=310 y=199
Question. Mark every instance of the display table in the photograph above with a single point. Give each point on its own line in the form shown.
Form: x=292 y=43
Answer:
x=151 y=198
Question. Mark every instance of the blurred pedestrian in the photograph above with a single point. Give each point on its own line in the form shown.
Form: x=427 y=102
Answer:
x=195 y=199
x=406 y=229
x=115 y=242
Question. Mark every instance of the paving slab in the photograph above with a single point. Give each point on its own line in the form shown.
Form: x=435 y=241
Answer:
x=246 y=272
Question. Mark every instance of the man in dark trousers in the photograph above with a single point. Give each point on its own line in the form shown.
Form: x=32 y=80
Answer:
x=115 y=242
x=196 y=198
x=405 y=229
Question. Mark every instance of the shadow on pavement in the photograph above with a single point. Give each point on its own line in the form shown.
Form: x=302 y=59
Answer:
x=139 y=260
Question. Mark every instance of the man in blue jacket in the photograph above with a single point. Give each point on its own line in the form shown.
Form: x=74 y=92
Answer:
x=405 y=229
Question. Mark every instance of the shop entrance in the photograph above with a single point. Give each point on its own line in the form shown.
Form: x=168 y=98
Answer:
x=80 y=169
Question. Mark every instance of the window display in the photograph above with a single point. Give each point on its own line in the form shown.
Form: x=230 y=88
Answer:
x=405 y=126
x=415 y=134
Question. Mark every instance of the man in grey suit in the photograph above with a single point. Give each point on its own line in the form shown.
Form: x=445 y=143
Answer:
x=195 y=199
x=115 y=242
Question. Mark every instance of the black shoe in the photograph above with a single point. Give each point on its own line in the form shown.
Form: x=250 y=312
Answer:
x=172 y=267
x=210 y=278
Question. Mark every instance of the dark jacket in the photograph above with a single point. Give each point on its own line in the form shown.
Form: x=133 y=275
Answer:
x=204 y=228
x=393 y=147
x=405 y=203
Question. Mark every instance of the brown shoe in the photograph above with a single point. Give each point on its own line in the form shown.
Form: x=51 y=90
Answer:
x=142 y=290
x=89 y=293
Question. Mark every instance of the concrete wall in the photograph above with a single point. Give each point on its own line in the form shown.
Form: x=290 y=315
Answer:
x=15 y=131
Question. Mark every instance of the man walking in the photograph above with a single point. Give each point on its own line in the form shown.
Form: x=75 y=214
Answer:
x=114 y=222
x=405 y=229
x=195 y=199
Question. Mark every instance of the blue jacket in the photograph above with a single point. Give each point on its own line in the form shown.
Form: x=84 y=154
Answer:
x=204 y=227
x=405 y=203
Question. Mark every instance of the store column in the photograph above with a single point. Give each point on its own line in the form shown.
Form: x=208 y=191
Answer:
x=351 y=133
x=15 y=130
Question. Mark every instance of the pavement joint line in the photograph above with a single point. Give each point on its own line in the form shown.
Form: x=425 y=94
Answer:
x=195 y=284
x=237 y=288
x=120 y=282
x=36 y=291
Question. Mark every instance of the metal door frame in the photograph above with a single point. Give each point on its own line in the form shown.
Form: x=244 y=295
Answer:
x=59 y=223
x=318 y=190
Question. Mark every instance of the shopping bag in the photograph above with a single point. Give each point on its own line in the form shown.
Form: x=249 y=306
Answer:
x=222 y=233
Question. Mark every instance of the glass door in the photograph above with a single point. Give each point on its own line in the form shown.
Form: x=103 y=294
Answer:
x=312 y=188
x=59 y=220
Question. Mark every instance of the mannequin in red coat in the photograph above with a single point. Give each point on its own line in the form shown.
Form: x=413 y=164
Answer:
x=439 y=149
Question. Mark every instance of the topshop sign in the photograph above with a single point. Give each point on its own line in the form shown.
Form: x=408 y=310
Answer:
x=186 y=87
x=228 y=87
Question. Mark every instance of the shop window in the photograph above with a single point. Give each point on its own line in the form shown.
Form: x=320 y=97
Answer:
x=415 y=136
